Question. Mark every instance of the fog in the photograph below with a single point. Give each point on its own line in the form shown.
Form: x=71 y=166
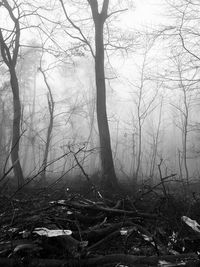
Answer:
x=152 y=88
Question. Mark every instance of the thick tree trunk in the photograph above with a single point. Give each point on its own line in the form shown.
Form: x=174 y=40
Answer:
x=16 y=128
x=109 y=180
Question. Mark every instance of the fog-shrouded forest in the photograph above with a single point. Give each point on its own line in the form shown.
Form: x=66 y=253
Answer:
x=99 y=133
x=104 y=90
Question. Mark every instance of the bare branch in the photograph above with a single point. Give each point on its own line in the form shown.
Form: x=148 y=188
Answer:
x=117 y=11
x=186 y=49
x=77 y=28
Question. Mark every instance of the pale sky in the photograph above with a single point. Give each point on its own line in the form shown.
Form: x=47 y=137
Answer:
x=146 y=13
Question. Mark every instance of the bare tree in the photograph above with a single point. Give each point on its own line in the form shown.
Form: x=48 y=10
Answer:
x=144 y=104
x=183 y=81
x=109 y=180
x=156 y=137
x=9 y=45
x=51 y=107
x=27 y=74
x=182 y=37
x=5 y=125
x=109 y=176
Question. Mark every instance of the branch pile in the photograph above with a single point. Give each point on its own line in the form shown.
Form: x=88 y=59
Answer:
x=76 y=231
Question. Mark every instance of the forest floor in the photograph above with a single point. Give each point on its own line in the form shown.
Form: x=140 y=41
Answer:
x=61 y=227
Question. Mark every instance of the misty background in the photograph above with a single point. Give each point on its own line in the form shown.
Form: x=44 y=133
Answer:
x=152 y=86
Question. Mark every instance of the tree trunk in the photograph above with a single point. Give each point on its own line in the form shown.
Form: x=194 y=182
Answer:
x=139 y=150
x=185 y=133
x=48 y=140
x=16 y=127
x=31 y=127
x=51 y=106
x=155 y=145
x=9 y=53
x=109 y=180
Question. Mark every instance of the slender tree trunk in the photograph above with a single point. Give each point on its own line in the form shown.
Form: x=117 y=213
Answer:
x=51 y=106
x=2 y=137
x=133 y=162
x=9 y=53
x=139 y=150
x=31 y=127
x=109 y=180
x=140 y=118
x=185 y=115
x=185 y=135
x=48 y=140
x=155 y=145
x=139 y=125
x=16 y=127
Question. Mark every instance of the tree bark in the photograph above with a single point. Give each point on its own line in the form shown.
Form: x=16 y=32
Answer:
x=16 y=127
x=109 y=180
